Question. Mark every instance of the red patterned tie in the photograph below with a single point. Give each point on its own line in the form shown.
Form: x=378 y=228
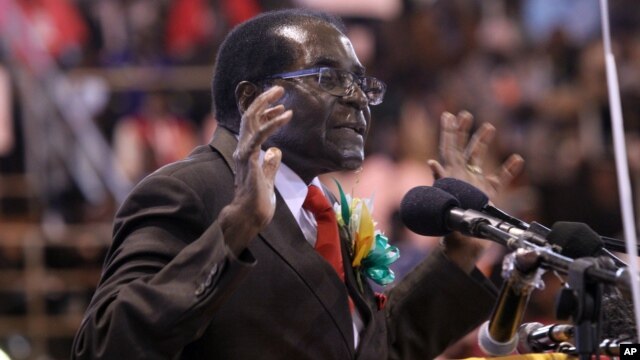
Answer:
x=328 y=239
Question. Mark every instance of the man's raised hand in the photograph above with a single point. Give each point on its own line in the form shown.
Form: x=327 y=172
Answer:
x=254 y=203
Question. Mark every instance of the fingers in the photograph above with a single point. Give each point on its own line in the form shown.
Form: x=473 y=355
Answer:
x=449 y=149
x=260 y=121
x=261 y=110
x=510 y=169
x=465 y=120
x=454 y=136
x=268 y=127
x=272 y=112
x=437 y=169
x=463 y=157
x=267 y=98
x=478 y=145
x=271 y=163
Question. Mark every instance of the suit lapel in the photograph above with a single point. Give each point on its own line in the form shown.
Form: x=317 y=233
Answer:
x=351 y=280
x=359 y=294
x=284 y=236
x=225 y=142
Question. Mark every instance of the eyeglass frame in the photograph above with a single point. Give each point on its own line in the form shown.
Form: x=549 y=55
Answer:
x=357 y=80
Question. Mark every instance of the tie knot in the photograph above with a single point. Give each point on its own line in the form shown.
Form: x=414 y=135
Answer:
x=316 y=202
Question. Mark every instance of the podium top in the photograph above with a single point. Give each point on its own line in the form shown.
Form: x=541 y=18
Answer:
x=545 y=356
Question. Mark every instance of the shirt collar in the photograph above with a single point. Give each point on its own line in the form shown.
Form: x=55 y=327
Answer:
x=292 y=188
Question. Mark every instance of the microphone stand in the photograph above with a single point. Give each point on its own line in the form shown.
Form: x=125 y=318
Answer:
x=468 y=224
x=581 y=302
x=585 y=282
x=552 y=260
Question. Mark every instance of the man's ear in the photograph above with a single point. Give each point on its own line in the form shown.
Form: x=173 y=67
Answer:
x=246 y=92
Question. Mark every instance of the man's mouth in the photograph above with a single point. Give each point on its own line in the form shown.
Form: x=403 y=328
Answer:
x=358 y=129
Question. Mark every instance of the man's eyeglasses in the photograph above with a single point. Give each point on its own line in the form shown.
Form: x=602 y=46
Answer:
x=341 y=82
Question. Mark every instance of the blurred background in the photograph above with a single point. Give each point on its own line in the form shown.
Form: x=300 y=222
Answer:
x=95 y=94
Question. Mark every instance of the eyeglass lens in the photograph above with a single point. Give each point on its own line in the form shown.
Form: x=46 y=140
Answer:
x=340 y=82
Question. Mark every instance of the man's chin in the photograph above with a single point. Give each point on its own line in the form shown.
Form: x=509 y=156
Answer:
x=352 y=162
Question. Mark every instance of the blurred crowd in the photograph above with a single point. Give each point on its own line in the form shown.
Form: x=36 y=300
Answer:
x=533 y=68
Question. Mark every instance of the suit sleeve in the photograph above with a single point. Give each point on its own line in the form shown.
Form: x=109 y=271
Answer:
x=166 y=274
x=435 y=305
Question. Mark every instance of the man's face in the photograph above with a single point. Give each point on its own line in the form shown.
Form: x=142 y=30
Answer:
x=326 y=132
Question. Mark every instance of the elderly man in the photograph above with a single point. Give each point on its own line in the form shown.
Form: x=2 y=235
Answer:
x=218 y=256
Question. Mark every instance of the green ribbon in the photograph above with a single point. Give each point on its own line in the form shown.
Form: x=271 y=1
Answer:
x=344 y=205
x=376 y=263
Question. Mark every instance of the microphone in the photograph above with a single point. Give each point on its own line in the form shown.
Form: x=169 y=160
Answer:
x=471 y=197
x=499 y=336
x=430 y=211
x=423 y=210
x=574 y=240
x=578 y=240
x=535 y=337
x=434 y=212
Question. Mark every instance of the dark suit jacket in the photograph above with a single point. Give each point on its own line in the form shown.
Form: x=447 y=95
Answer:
x=171 y=289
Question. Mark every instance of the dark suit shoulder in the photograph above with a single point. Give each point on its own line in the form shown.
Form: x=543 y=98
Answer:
x=202 y=159
x=196 y=187
x=203 y=169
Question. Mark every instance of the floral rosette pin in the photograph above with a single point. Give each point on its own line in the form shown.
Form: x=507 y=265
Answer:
x=371 y=251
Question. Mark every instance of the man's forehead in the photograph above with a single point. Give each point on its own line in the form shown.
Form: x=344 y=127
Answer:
x=318 y=42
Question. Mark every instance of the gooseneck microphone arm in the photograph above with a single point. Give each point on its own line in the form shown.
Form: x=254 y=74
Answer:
x=582 y=241
x=497 y=213
x=478 y=224
x=464 y=221
x=474 y=223
x=616 y=244
x=562 y=264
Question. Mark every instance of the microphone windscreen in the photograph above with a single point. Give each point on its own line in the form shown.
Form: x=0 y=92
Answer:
x=424 y=210
x=576 y=239
x=469 y=196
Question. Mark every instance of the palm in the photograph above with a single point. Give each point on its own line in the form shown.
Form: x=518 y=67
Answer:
x=464 y=156
x=255 y=181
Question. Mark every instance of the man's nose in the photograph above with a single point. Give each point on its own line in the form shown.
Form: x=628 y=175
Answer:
x=356 y=97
